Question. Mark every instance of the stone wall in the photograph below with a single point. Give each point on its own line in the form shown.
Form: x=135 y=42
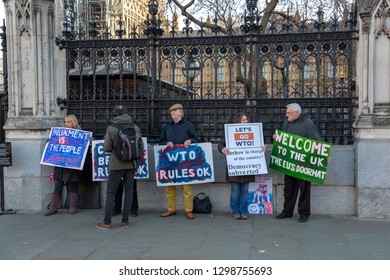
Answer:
x=337 y=196
x=372 y=124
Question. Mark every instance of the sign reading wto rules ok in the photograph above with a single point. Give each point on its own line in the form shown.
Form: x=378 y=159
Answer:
x=245 y=143
x=101 y=159
x=300 y=157
x=66 y=147
x=180 y=166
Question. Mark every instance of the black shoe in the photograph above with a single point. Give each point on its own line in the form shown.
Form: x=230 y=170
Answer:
x=303 y=219
x=133 y=214
x=283 y=215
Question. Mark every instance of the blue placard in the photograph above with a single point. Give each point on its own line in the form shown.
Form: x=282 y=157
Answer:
x=101 y=159
x=66 y=147
x=181 y=166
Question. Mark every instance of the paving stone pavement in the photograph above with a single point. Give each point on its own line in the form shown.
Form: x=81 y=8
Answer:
x=215 y=236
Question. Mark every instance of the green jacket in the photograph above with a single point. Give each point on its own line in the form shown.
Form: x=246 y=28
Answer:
x=110 y=139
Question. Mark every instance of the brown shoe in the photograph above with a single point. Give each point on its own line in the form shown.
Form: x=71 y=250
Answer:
x=190 y=215
x=125 y=224
x=168 y=213
x=103 y=226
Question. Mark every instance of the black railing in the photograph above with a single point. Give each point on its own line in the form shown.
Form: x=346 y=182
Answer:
x=215 y=76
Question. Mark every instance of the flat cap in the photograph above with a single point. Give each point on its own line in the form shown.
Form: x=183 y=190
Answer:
x=176 y=106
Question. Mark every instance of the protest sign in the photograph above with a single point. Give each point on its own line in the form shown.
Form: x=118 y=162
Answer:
x=101 y=159
x=260 y=196
x=245 y=143
x=300 y=157
x=66 y=147
x=180 y=166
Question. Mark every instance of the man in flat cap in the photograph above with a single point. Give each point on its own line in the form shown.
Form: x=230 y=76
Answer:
x=178 y=131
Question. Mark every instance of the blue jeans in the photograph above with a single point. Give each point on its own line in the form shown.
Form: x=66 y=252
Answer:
x=239 y=198
x=114 y=179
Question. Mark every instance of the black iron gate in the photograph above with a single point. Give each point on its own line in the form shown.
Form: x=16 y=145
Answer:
x=252 y=68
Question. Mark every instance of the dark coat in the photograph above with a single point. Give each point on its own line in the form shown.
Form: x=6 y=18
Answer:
x=178 y=133
x=110 y=139
x=303 y=126
x=235 y=179
x=66 y=174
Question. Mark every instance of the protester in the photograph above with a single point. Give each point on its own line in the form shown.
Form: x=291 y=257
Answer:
x=118 y=170
x=300 y=124
x=119 y=198
x=178 y=131
x=66 y=176
x=239 y=184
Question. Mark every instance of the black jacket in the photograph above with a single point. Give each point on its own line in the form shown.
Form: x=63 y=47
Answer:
x=67 y=174
x=303 y=126
x=178 y=133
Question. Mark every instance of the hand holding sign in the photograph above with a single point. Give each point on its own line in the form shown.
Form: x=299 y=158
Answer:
x=67 y=147
x=300 y=157
x=245 y=149
x=180 y=165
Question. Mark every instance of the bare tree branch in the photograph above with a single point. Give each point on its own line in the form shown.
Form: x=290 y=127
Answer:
x=230 y=12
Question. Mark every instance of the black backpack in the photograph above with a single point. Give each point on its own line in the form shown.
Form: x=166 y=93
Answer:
x=129 y=145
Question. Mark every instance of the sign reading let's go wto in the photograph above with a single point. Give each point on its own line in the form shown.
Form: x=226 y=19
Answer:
x=300 y=157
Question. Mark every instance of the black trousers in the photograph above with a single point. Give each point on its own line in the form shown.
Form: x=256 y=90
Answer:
x=114 y=180
x=118 y=199
x=71 y=187
x=291 y=188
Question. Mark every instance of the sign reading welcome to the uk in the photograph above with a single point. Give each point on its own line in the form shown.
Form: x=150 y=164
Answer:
x=180 y=166
x=101 y=159
x=300 y=157
x=66 y=147
x=245 y=143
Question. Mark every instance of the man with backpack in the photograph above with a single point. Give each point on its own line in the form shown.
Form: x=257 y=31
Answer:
x=119 y=197
x=123 y=141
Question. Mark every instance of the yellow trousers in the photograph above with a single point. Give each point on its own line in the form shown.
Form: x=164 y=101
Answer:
x=187 y=197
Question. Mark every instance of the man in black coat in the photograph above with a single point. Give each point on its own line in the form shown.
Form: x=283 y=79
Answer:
x=300 y=124
x=178 y=131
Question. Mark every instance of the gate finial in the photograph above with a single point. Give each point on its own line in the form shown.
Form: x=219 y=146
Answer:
x=154 y=24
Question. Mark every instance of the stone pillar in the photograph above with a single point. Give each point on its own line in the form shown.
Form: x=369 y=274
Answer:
x=36 y=71
x=372 y=125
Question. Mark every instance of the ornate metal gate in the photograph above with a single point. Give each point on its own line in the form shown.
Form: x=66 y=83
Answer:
x=252 y=68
